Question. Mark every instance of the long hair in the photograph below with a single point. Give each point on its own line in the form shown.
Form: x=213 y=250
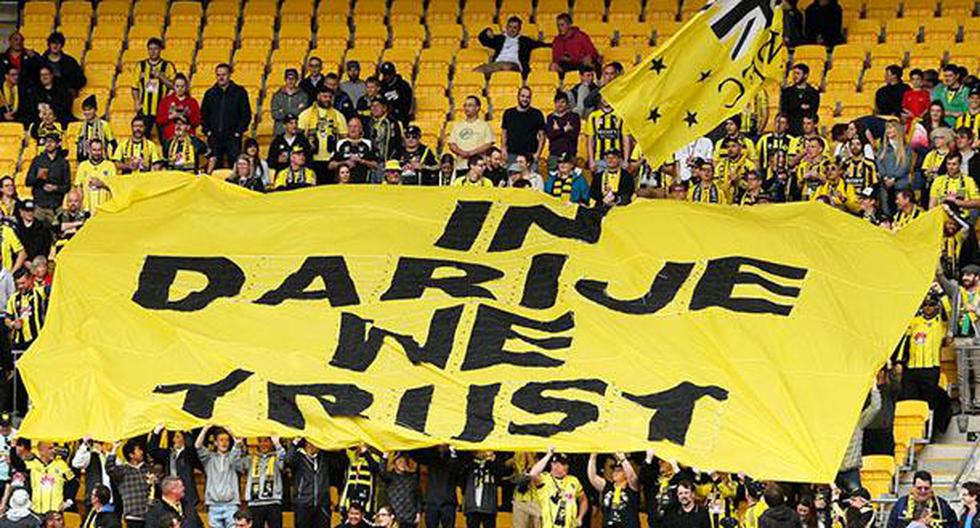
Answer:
x=899 y=143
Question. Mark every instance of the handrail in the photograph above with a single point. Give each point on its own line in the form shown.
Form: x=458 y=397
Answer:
x=968 y=463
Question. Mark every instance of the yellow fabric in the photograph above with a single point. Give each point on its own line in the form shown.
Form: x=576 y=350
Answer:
x=94 y=196
x=962 y=187
x=752 y=514
x=840 y=194
x=707 y=72
x=839 y=322
x=10 y=246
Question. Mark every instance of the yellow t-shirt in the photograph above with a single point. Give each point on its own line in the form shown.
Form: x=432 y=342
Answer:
x=48 y=483
x=320 y=125
x=145 y=151
x=840 y=194
x=10 y=246
x=522 y=463
x=961 y=187
x=933 y=161
x=925 y=342
x=559 y=501
x=287 y=178
x=752 y=514
x=463 y=181
x=94 y=196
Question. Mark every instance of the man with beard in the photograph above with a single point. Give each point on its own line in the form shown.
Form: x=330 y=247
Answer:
x=283 y=144
x=419 y=163
x=322 y=124
x=355 y=152
x=522 y=129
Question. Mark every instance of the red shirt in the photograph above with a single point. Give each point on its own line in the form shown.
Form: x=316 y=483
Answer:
x=916 y=102
x=191 y=110
x=576 y=44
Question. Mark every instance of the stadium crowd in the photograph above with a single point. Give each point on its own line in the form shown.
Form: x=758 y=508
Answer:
x=917 y=151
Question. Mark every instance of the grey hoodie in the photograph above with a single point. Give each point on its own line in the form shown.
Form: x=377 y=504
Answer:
x=221 y=486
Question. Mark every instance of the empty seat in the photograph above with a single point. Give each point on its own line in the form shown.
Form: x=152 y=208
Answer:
x=849 y=55
x=295 y=35
x=208 y=58
x=223 y=12
x=469 y=80
x=442 y=12
x=107 y=36
x=881 y=9
x=403 y=58
x=369 y=12
x=112 y=12
x=150 y=13
x=408 y=36
x=623 y=12
x=296 y=12
x=257 y=34
x=405 y=11
x=903 y=30
x=665 y=30
x=927 y=53
x=866 y=31
x=255 y=57
x=431 y=78
x=910 y=420
x=375 y=36
x=942 y=31
x=543 y=81
x=333 y=13
x=469 y=58
x=368 y=57
x=547 y=10
x=75 y=12
x=182 y=35
x=139 y=34
x=919 y=8
x=885 y=54
x=445 y=35
x=259 y=10
x=186 y=12
x=876 y=474
x=478 y=13
x=218 y=35
x=623 y=55
x=39 y=12
x=958 y=9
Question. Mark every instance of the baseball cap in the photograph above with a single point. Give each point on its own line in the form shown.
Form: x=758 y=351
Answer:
x=868 y=192
x=559 y=458
x=971 y=269
x=298 y=148
x=975 y=90
x=566 y=157
x=53 y=134
x=413 y=130
x=182 y=117
x=27 y=204
x=387 y=68
x=514 y=168
x=291 y=72
x=393 y=165
x=323 y=89
x=291 y=117
x=615 y=151
x=862 y=493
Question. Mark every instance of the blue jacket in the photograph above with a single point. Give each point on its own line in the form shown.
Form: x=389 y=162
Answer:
x=580 y=187
x=901 y=514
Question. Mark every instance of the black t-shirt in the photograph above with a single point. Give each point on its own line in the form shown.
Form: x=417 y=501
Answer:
x=622 y=511
x=696 y=518
x=522 y=130
x=347 y=148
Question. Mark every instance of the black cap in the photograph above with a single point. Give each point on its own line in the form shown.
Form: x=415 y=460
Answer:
x=701 y=162
x=387 y=68
x=559 y=458
x=353 y=63
x=27 y=204
x=378 y=99
x=613 y=150
x=182 y=117
x=971 y=269
x=291 y=72
x=566 y=157
x=290 y=117
x=5 y=420
x=413 y=130
x=975 y=90
x=53 y=134
x=862 y=493
x=90 y=102
x=869 y=192
x=323 y=89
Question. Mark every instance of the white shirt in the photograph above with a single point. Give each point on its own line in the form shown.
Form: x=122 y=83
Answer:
x=508 y=53
x=699 y=148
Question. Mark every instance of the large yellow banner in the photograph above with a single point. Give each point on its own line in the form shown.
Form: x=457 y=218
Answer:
x=729 y=339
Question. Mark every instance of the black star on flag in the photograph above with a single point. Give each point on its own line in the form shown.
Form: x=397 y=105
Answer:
x=654 y=114
x=657 y=65
x=704 y=76
x=691 y=119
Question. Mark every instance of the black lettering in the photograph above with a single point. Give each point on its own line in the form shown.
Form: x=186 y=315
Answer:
x=464 y=225
x=479 y=413
x=337 y=399
x=225 y=279
x=541 y=285
x=531 y=398
x=338 y=287
x=720 y=277
x=199 y=400
x=413 y=409
x=738 y=84
x=662 y=291
x=414 y=275
x=675 y=409
x=517 y=221
x=493 y=327
x=357 y=346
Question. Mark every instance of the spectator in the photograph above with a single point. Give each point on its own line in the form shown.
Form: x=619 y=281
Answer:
x=221 y=485
x=24 y=317
x=258 y=165
x=522 y=128
x=288 y=100
x=402 y=489
x=284 y=142
x=685 y=158
x=888 y=98
x=779 y=514
x=93 y=175
x=562 y=499
x=341 y=101
x=619 y=498
x=447 y=169
x=48 y=178
x=354 y=516
x=567 y=182
x=314 y=78
x=138 y=153
x=180 y=460
x=418 y=162
x=11 y=98
x=93 y=128
x=919 y=356
x=264 y=483
x=799 y=99
x=443 y=467
x=392 y=173
x=954 y=186
x=969 y=493
x=90 y=458
x=101 y=513
x=397 y=92
x=18 y=513
x=474 y=177
x=849 y=474
x=610 y=71
x=824 y=19
x=812 y=169
x=859 y=171
x=903 y=511
x=934 y=163
x=481 y=478
x=225 y=116
x=186 y=152
x=732 y=129
x=571 y=48
x=469 y=137
x=134 y=480
x=170 y=503
x=386 y=132
x=879 y=437
x=8 y=200
x=907 y=209
x=243 y=175
x=706 y=189
x=915 y=100
x=64 y=67
x=32 y=233
x=178 y=102
x=154 y=80
x=311 y=475
x=372 y=90
x=686 y=513
x=511 y=50
x=733 y=167
x=581 y=92
x=358 y=154
x=965 y=141
x=13 y=253
x=934 y=119
x=971 y=117
x=604 y=132
x=752 y=191
x=322 y=124
x=952 y=94
x=50 y=91
x=774 y=148
x=614 y=185
x=22 y=58
x=793 y=34
x=354 y=87
x=496 y=166
x=522 y=170
x=562 y=128
x=296 y=174
x=46 y=125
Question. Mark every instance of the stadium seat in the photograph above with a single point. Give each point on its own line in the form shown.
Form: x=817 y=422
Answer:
x=624 y=55
x=113 y=12
x=75 y=12
x=107 y=36
x=445 y=35
x=139 y=34
x=920 y=9
x=503 y=87
x=259 y=10
x=371 y=36
x=910 y=420
x=251 y=58
x=624 y=12
x=39 y=13
x=288 y=56
x=588 y=12
x=478 y=14
x=965 y=53
x=223 y=11
x=186 y=12
x=842 y=78
x=930 y=55
x=884 y=54
x=405 y=12
x=469 y=58
x=903 y=30
x=864 y=31
x=850 y=55
x=436 y=60
x=442 y=12
x=403 y=58
x=661 y=11
x=367 y=56
x=182 y=35
x=877 y=472
x=547 y=10
x=543 y=81
x=942 y=31
x=218 y=35
x=257 y=34
x=208 y=58
x=150 y=13
x=408 y=36
x=469 y=81
x=881 y=9
x=958 y=9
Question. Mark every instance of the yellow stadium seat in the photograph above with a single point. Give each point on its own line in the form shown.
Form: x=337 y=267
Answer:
x=927 y=53
x=223 y=11
x=107 y=36
x=877 y=472
x=863 y=31
x=881 y=9
x=623 y=55
x=291 y=57
x=408 y=36
x=403 y=58
x=149 y=13
x=431 y=78
x=332 y=15
x=405 y=12
x=543 y=82
x=910 y=420
x=208 y=58
x=140 y=33
x=903 y=30
x=589 y=10
x=123 y=103
x=114 y=12
x=257 y=33
x=182 y=36
x=374 y=36
x=445 y=35
x=259 y=10
x=919 y=8
x=367 y=56
x=186 y=12
x=547 y=10
x=810 y=54
x=469 y=58
x=39 y=12
x=850 y=55
x=295 y=35
x=842 y=79
x=102 y=56
x=964 y=52
x=627 y=30
x=477 y=11
x=11 y=130
x=182 y=58
x=941 y=31
x=959 y=9
x=251 y=56
x=435 y=60
x=884 y=54
x=442 y=12
x=503 y=87
x=688 y=9
x=622 y=12
x=368 y=13
x=337 y=37
x=469 y=81
x=218 y=34
x=76 y=14
x=296 y=12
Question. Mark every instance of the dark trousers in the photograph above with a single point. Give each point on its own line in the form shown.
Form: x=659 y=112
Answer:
x=478 y=520
x=309 y=516
x=268 y=516
x=878 y=442
x=440 y=516
x=920 y=384
x=225 y=149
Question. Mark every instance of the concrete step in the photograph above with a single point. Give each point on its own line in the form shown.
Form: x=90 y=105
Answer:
x=959 y=450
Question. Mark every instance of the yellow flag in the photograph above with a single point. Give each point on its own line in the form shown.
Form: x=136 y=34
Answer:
x=709 y=71
x=483 y=318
